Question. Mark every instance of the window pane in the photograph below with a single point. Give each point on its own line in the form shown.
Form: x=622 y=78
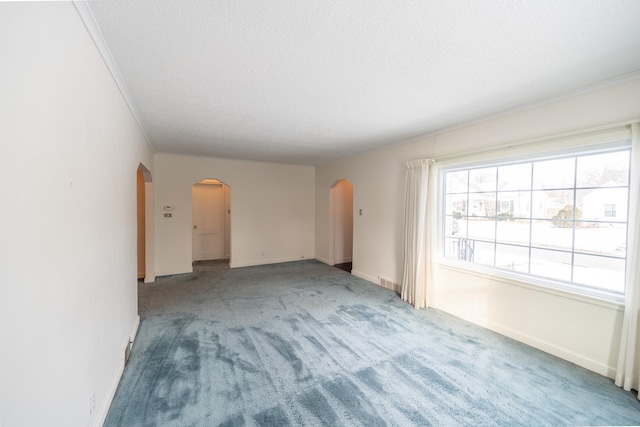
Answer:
x=600 y=272
x=482 y=204
x=551 y=264
x=553 y=204
x=603 y=204
x=514 y=258
x=604 y=239
x=451 y=226
x=457 y=182
x=481 y=180
x=483 y=253
x=449 y=248
x=460 y=249
x=456 y=204
x=545 y=234
x=514 y=177
x=557 y=173
x=603 y=169
x=481 y=229
x=450 y=201
x=513 y=232
x=514 y=204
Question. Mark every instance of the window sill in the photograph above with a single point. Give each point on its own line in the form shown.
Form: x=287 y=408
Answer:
x=600 y=298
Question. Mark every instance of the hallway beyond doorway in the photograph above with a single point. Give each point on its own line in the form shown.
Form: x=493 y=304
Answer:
x=346 y=266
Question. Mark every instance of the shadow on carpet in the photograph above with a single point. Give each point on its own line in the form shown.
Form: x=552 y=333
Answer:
x=305 y=344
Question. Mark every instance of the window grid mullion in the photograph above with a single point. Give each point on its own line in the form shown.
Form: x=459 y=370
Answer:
x=533 y=165
x=575 y=210
x=551 y=241
x=495 y=222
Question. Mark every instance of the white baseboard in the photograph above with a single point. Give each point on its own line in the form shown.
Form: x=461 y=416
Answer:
x=323 y=260
x=269 y=261
x=102 y=415
x=365 y=276
x=547 y=347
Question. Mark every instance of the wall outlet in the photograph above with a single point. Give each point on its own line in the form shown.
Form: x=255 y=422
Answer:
x=92 y=403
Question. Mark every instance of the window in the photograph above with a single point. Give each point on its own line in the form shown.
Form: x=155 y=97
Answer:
x=560 y=219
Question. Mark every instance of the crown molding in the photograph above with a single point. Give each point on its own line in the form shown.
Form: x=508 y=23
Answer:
x=87 y=17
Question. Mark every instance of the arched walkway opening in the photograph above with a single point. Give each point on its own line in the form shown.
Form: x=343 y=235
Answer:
x=145 y=240
x=341 y=219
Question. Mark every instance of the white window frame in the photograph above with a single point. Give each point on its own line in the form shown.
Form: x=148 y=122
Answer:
x=600 y=140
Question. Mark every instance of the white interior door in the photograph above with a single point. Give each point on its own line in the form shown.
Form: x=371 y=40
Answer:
x=208 y=222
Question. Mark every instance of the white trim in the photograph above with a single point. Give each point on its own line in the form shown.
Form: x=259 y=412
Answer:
x=89 y=20
x=323 y=260
x=172 y=273
x=494 y=275
x=365 y=276
x=270 y=261
x=134 y=330
x=102 y=415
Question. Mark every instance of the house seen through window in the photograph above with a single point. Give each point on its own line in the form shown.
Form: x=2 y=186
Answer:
x=610 y=210
x=561 y=218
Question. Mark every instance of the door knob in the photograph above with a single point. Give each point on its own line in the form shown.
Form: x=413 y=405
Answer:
x=195 y=226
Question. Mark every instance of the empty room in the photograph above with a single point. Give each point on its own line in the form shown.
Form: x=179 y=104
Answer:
x=321 y=213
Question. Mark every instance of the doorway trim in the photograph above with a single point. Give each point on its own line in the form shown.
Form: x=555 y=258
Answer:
x=227 y=249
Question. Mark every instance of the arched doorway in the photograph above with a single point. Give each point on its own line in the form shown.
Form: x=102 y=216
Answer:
x=211 y=220
x=342 y=224
x=144 y=208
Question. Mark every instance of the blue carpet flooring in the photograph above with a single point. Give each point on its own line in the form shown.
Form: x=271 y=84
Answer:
x=304 y=344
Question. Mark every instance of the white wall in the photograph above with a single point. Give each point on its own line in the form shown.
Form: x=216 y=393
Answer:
x=272 y=208
x=378 y=185
x=579 y=329
x=69 y=151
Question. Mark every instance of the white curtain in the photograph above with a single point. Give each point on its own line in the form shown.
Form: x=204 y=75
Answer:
x=628 y=372
x=419 y=227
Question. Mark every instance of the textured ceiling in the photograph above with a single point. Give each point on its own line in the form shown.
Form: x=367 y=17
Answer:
x=309 y=82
